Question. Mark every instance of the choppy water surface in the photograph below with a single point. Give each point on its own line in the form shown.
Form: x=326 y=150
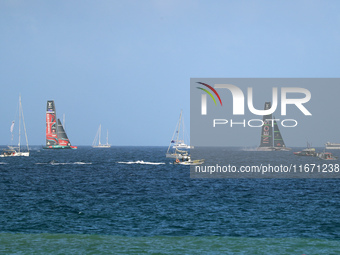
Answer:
x=134 y=200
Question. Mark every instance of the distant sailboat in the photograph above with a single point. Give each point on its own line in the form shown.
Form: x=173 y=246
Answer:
x=178 y=142
x=56 y=137
x=97 y=139
x=177 y=147
x=270 y=142
x=13 y=151
x=332 y=146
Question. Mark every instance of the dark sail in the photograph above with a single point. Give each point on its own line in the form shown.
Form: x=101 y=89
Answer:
x=62 y=137
x=51 y=124
x=267 y=129
x=278 y=141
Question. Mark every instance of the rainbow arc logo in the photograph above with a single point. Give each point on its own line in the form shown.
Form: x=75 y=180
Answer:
x=209 y=93
x=204 y=97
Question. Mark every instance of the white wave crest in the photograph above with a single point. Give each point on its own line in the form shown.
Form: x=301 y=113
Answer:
x=249 y=149
x=69 y=163
x=82 y=163
x=141 y=162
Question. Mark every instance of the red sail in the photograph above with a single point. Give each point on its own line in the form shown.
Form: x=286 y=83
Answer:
x=51 y=124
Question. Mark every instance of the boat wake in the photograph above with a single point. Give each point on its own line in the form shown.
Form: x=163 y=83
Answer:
x=82 y=163
x=249 y=149
x=68 y=163
x=142 y=162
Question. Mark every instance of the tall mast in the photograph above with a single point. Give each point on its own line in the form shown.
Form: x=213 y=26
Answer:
x=179 y=126
x=183 y=129
x=100 y=130
x=23 y=122
x=107 y=136
x=19 y=119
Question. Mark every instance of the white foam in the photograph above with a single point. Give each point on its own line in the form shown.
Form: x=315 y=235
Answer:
x=142 y=162
x=70 y=163
x=249 y=149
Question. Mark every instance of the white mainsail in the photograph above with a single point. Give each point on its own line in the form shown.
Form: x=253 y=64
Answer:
x=96 y=142
x=16 y=151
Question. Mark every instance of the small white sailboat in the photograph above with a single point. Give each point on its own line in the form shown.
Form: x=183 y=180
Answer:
x=178 y=148
x=180 y=135
x=96 y=142
x=13 y=151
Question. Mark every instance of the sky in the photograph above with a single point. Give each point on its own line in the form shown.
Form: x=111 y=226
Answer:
x=127 y=64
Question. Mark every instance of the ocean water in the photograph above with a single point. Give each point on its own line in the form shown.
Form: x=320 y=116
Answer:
x=132 y=200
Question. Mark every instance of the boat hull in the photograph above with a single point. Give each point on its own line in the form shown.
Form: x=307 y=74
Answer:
x=273 y=149
x=327 y=156
x=265 y=149
x=15 y=154
x=59 y=147
x=282 y=149
x=332 y=148
x=176 y=155
x=190 y=162
x=101 y=146
x=182 y=146
x=306 y=153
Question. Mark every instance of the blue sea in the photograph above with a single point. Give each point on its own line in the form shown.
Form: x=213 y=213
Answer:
x=133 y=200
